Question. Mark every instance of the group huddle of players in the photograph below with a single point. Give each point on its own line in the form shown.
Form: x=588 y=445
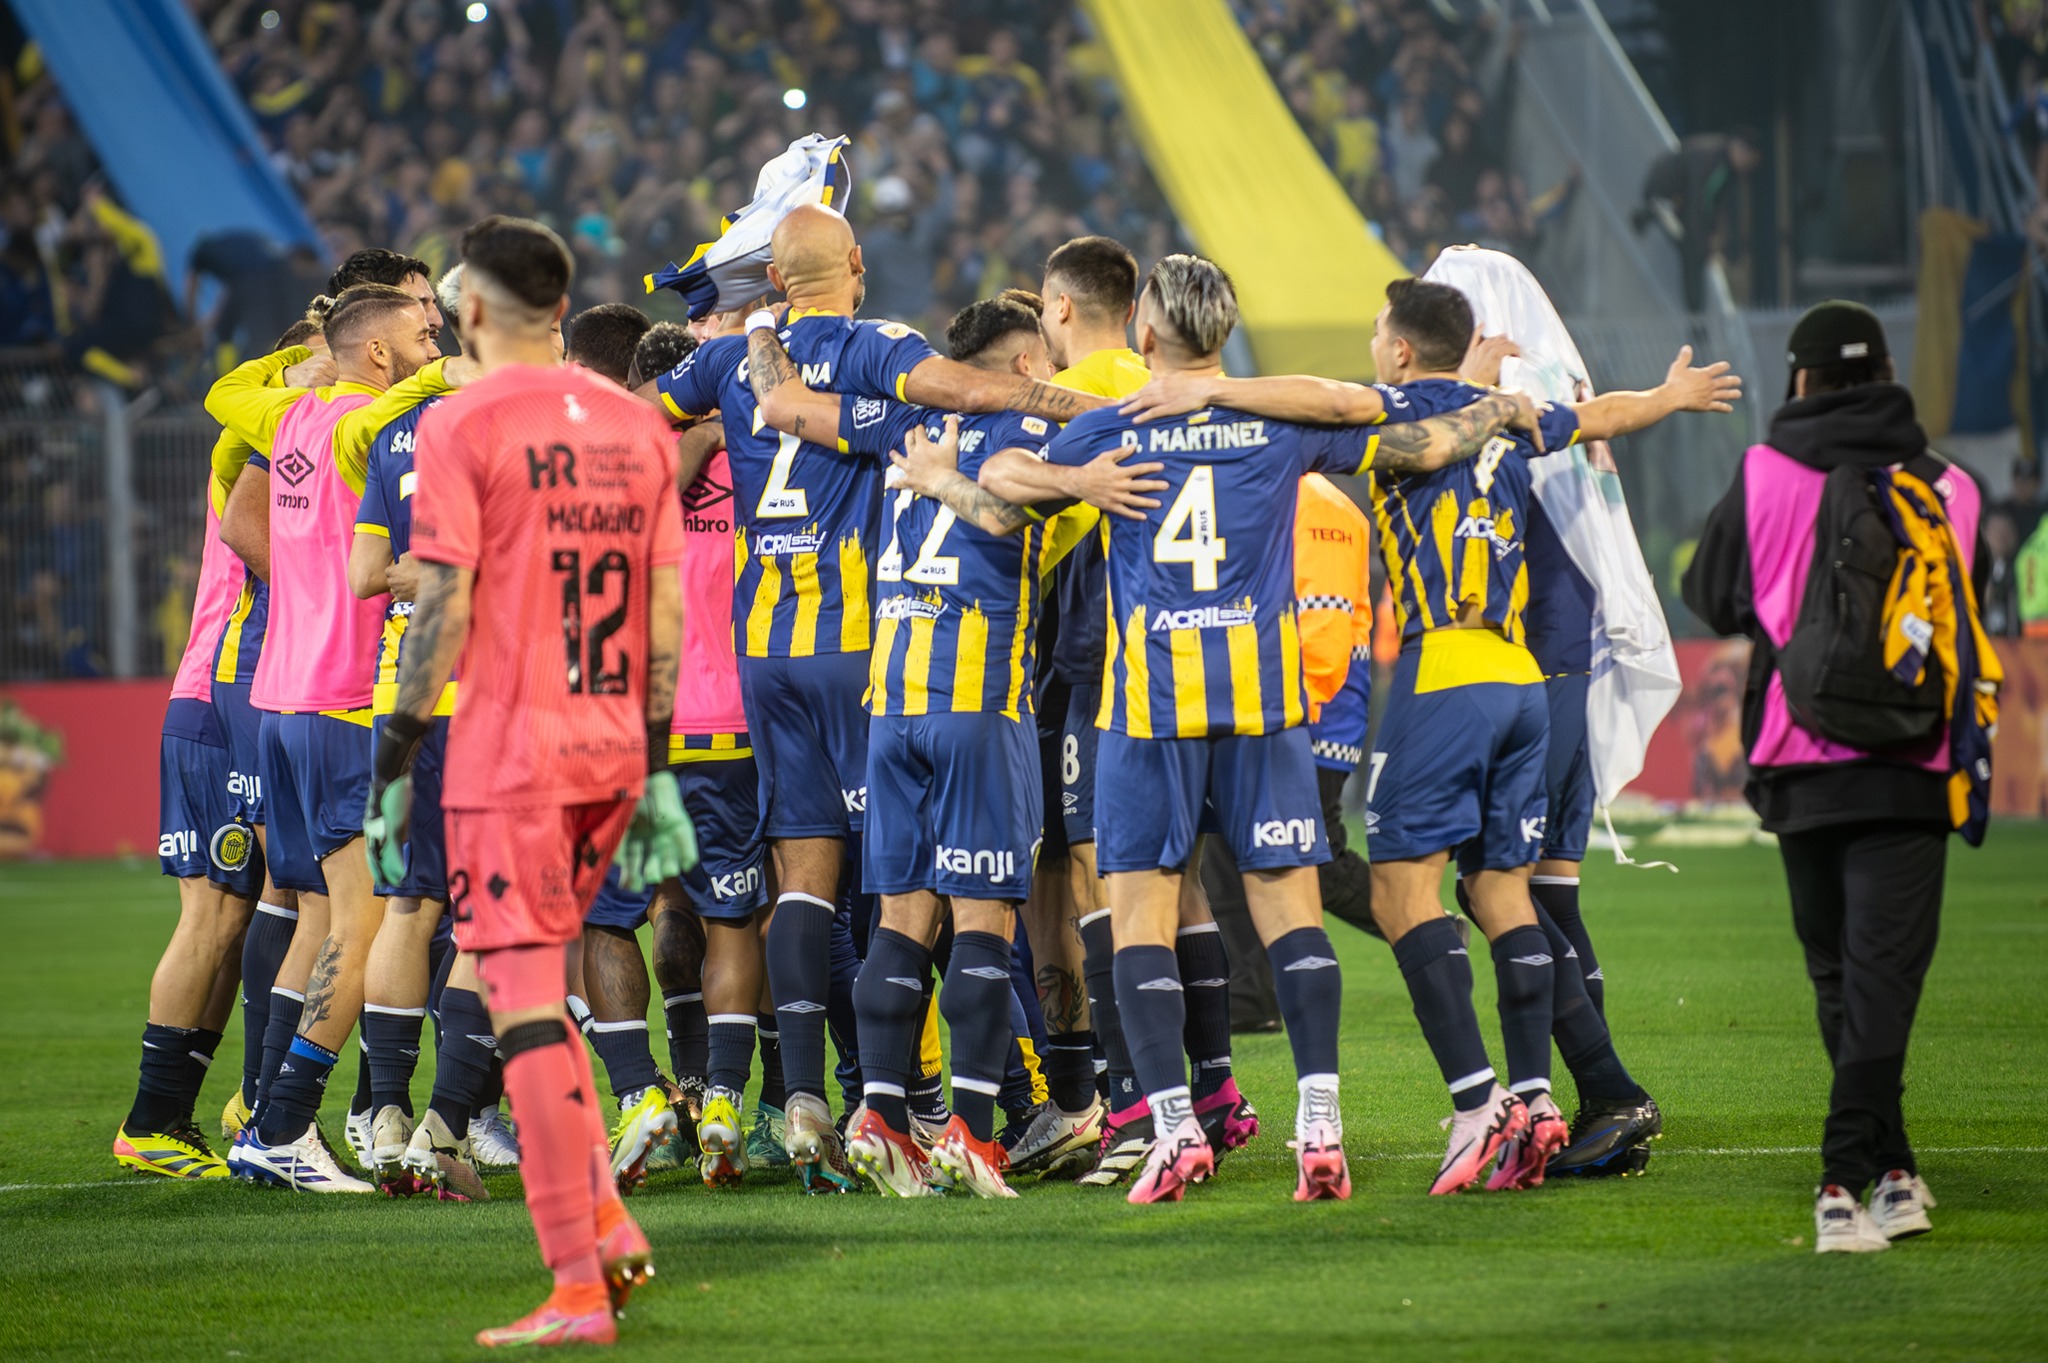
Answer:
x=846 y=664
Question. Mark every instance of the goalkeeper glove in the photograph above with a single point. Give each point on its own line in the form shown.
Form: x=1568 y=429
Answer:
x=387 y=822
x=660 y=843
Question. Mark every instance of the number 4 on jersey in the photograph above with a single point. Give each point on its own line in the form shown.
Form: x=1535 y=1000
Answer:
x=1188 y=535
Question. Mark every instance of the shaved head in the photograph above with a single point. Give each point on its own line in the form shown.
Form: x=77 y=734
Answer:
x=814 y=252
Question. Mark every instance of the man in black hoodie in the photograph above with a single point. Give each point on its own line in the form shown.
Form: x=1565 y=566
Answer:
x=1864 y=836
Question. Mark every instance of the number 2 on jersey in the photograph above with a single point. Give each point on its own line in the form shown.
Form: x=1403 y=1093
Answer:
x=587 y=672
x=929 y=566
x=1188 y=534
x=778 y=498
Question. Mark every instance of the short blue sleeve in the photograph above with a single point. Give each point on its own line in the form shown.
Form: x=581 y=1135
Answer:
x=879 y=356
x=1336 y=449
x=1086 y=436
x=691 y=388
x=875 y=426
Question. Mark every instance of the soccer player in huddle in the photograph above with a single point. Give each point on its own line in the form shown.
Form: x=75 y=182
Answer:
x=802 y=618
x=1461 y=763
x=954 y=801
x=314 y=686
x=547 y=526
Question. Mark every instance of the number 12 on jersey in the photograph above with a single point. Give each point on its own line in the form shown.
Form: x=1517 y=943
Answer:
x=587 y=672
x=1188 y=534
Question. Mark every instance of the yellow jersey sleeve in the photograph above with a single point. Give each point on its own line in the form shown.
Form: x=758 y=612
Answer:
x=357 y=431
x=248 y=401
x=230 y=456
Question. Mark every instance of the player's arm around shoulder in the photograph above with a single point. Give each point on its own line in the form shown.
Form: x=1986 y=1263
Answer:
x=939 y=382
x=783 y=399
x=1087 y=462
x=248 y=401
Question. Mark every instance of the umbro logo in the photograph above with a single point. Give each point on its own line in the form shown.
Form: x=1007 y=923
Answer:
x=489 y=1043
x=1162 y=985
x=294 y=468
x=1212 y=984
x=497 y=885
x=986 y=972
x=706 y=491
x=800 y=1006
x=906 y=982
x=1311 y=963
x=1540 y=958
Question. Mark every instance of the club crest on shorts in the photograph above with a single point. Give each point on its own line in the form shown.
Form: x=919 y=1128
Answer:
x=231 y=845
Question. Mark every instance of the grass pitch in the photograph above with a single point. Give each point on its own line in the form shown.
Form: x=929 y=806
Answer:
x=1709 y=1256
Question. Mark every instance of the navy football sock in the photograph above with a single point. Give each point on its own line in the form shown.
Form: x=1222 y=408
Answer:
x=1558 y=896
x=800 y=979
x=1154 y=1011
x=360 y=1100
x=1438 y=971
x=1099 y=972
x=282 y=1024
x=1522 y=970
x=976 y=1002
x=689 y=1034
x=1581 y=1033
x=841 y=1026
x=199 y=1057
x=391 y=1040
x=1018 y=1094
x=729 y=1050
x=772 y=1092
x=295 y=1092
x=626 y=1052
x=1205 y=979
x=161 y=1083
x=888 y=998
x=263 y=951
x=463 y=1062
x=1311 y=993
x=1070 y=1069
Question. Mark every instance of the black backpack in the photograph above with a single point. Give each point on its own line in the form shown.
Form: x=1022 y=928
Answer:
x=1836 y=682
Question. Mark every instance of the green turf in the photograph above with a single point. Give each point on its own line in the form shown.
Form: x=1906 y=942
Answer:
x=1708 y=1257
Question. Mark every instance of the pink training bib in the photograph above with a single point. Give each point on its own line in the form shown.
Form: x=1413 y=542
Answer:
x=221 y=575
x=321 y=650
x=708 y=693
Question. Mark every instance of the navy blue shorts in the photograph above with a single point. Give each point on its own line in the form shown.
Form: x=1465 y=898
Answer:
x=722 y=798
x=1258 y=792
x=953 y=805
x=1568 y=770
x=198 y=834
x=1051 y=709
x=1459 y=769
x=426 y=841
x=1079 y=744
x=316 y=780
x=809 y=724
x=616 y=906
x=240 y=723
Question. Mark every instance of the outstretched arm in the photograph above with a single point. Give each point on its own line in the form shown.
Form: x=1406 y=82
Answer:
x=1686 y=388
x=940 y=382
x=1291 y=397
x=1410 y=447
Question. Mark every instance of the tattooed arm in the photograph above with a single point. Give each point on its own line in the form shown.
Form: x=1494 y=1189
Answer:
x=786 y=403
x=434 y=639
x=1408 y=447
x=931 y=468
x=664 y=651
x=940 y=382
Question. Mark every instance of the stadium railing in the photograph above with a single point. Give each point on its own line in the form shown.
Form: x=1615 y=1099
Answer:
x=101 y=526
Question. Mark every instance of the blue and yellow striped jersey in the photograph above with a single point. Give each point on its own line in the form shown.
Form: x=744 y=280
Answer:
x=810 y=516
x=1202 y=640
x=386 y=510
x=1076 y=647
x=956 y=613
x=1454 y=536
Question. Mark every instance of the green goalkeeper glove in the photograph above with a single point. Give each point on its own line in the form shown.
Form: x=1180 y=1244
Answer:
x=388 y=820
x=660 y=843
